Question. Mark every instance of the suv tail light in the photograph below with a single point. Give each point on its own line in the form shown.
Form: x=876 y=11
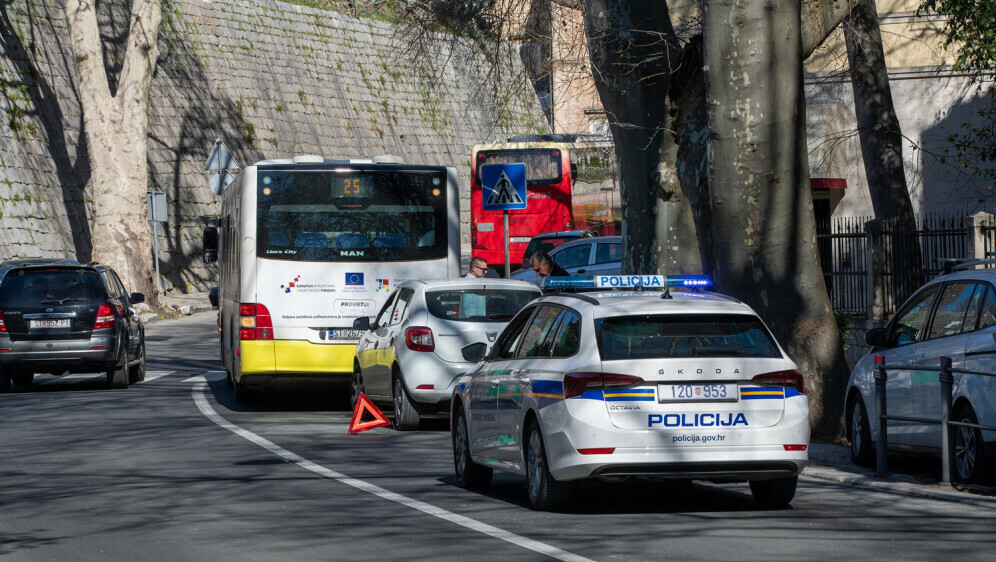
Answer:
x=790 y=379
x=576 y=384
x=3 y=327
x=255 y=322
x=419 y=338
x=105 y=317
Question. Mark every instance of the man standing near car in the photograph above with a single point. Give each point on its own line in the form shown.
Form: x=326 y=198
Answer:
x=478 y=268
x=543 y=266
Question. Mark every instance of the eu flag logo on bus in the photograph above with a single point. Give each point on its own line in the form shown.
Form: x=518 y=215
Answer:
x=354 y=279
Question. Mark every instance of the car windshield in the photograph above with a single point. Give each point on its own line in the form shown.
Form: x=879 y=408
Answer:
x=546 y=244
x=477 y=305
x=681 y=336
x=49 y=286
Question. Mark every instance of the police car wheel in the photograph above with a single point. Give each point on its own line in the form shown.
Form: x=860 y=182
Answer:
x=859 y=433
x=468 y=473
x=405 y=415
x=774 y=493
x=545 y=493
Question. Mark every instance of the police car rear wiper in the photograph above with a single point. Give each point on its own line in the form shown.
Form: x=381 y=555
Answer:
x=722 y=352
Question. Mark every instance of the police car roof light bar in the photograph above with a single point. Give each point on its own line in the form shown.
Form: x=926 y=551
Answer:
x=623 y=282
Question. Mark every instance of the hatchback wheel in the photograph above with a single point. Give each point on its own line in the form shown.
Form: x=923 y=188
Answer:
x=137 y=372
x=774 y=493
x=468 y=473
x=859 y=432
x=968 y=447
x=545 y=493
x=117 y=375
x=405 y=415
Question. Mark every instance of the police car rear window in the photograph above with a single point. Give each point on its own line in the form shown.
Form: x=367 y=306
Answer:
x=54 y=286
x=681 y=336
x=477 y=305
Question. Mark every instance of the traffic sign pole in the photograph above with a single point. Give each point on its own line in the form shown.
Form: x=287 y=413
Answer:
x=508 y=268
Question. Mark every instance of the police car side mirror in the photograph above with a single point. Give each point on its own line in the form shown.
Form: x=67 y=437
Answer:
x=475 y=352
x=876 y=337
x=362 y=323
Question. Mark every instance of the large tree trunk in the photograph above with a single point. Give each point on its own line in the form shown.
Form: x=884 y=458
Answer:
x=763 y=229
x=116 y=128
x=633 y=49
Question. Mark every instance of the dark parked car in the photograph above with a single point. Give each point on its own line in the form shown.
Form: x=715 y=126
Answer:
x=550 y=240
x=59 y=316
x=601 y=255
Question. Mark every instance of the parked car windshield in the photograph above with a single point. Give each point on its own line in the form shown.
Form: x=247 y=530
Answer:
x=49 y=286
x=671 y=336
x=477 y=305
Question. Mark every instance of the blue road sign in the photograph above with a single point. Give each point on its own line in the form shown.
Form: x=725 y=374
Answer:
x=503 y=187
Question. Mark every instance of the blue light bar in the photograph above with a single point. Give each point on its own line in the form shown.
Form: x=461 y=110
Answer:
x=568 y=283
x=639 y=282
x=690 y=281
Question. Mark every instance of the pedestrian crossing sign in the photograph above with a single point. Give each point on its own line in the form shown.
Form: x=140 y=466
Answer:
x=503 y=187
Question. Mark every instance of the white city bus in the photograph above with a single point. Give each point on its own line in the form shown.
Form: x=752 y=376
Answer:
x=307 y=245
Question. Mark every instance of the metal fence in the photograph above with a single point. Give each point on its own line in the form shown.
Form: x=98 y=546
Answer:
x=843 y=248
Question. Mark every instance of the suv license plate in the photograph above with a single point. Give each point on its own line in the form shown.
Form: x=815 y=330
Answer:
x=59 y=323
x=345 y=334
x=717 y=392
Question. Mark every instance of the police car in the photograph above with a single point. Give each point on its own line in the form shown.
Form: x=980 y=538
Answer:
x=617 y=383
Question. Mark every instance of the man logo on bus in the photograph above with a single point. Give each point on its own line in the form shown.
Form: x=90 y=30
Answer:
x=287 y=288
x=354 y=279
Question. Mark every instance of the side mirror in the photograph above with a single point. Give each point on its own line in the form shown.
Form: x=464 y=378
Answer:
x=136 y=298
x=362 y=323
x=475 y=352
x=876 y=337
x=211 y=241
x=213 y=296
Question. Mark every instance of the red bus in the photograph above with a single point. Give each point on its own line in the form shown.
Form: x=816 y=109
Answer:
x=571 y=183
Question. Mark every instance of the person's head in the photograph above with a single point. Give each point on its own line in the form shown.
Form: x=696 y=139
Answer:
x=478 y=267
x=541 y=263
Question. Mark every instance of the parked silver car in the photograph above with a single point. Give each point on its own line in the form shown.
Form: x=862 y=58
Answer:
x=412 y=353
x=588 y=256
x=953 y=315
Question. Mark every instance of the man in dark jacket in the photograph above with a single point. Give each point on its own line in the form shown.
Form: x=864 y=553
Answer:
x=543 y=266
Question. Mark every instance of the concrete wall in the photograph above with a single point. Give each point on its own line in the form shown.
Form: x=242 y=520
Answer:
x=271 y=79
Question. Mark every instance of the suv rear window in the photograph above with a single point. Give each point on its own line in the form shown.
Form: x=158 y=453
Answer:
x=677 y=336
x=50 y=286
x=477 y=305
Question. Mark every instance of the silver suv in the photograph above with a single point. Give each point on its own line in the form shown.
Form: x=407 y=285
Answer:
x=59 y=316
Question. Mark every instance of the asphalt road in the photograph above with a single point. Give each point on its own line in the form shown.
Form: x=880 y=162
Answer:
x=172 y=469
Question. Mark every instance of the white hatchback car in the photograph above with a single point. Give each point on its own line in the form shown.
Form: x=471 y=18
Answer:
x=616 y=384
x=413 y=352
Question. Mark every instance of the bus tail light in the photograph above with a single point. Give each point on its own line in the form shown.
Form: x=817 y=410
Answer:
x=576 y=384
x=419 y=338
x=789 y=379
x=105 y=317
x=255 y=322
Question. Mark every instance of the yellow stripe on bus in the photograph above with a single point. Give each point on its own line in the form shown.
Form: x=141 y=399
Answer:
x=277 y=357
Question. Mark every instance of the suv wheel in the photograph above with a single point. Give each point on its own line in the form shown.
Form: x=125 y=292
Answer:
x=136 y=373
x=117 y=375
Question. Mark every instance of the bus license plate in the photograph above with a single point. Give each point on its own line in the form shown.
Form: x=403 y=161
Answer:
x=345 y=334
x=59 y=323
x=717 y=392
x=520 y=239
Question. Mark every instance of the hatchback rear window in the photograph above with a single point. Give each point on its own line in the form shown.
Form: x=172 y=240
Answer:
x=49 y=287
x=477 y=305
x=673 y=336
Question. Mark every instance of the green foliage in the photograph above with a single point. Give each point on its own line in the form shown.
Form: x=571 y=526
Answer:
x=843 y=326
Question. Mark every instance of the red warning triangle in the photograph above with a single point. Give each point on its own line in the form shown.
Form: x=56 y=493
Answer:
x=363 y=404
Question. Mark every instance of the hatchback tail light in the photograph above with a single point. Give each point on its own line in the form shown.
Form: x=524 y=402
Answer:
x=255 y=322
x=789 y=379
x=576 y=384
x=105 y=317
x=419 y=338
x=3 y=327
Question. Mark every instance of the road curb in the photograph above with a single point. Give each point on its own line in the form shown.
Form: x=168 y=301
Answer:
x=907 y=488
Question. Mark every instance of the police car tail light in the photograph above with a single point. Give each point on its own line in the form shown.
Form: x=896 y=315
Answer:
x=795 y=447
x=600 y=451
x=105 y=317
x=576 y=384
x=419 y=338
x=792 y=379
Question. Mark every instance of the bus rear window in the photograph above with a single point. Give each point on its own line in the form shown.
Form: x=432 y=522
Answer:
x=684 y=336
x=351 y=215
x=477 y=305
x=542 y=164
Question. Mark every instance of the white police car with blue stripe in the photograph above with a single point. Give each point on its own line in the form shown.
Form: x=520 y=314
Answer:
x=617 y=383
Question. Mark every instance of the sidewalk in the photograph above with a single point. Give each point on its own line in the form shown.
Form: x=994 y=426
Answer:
x=827 y=461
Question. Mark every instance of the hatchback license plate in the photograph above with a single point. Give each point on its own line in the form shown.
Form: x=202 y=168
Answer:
x=58 y=323
x=715 y=392
x=345 y=334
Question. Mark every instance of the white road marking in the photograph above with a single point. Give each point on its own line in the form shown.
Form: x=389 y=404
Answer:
x=208 y=376
x=153 y=375
x=199 y=394
x=74 y=378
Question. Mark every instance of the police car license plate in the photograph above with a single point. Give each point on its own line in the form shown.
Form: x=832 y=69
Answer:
x=345 y=334
x=716 y=392
x=58 y=323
